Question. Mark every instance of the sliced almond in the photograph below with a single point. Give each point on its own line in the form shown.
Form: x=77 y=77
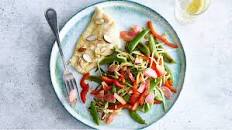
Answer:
x=86 y=57
x=91 y=38
x=81 y=49
x=99 y=21
x=107 y=38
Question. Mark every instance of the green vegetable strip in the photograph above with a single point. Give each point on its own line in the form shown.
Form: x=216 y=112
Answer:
x=147 y=107
x=158 y=94
x=168 y=58
x=128 y=84
x=93 y=112
x=95 y=79
x=127 y=97
x=131 y=46
x=151 y=43
x=134 y=115
x=163 y=99
x=154 y=84
x=110 y=59
x=144 y=49
x=168 y=70
x=114 y=89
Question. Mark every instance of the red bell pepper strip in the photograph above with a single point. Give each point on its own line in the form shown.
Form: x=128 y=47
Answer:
x=83 y=94
x=126 y=36
x=142 y=97
x=106 y=88
x=153 y=66
x=82 y=83
x=159 y=37
x=122 y=76
x=157 y=102
x=109 y=98
x=107 y=79
x=135 y=94
x=112 y=81
x=146 y=58
x=100 y=95
x=135 y=106
x=118 y=84
x=135 y=87
x=169 y=85
x=129 y=35
x=134 y=97
x=95 y=92
x=84 y=86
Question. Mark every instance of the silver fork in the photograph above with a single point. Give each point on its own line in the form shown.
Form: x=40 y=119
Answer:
x=69 y=80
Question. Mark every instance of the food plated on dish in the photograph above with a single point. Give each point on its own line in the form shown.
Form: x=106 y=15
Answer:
x=130 y=19
x=97 y=41
x=133 y=77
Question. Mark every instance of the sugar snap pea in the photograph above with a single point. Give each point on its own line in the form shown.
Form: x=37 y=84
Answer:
x=134 y=115
x=152 y=43
x=93 y=112
x=111 y=59
x=168 y=58
x=131 y=45
x=95 y=79
x=144 y=49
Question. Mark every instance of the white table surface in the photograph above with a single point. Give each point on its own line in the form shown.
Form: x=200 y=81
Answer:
x=27 y=99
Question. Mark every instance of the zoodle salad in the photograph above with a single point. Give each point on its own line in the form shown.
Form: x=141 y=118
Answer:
x=133 y=78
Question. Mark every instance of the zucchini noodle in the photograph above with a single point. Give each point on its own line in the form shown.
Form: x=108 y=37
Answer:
x=152 y=55
x=138 y=78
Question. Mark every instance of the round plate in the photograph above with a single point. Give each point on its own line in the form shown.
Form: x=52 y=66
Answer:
x=125 y=14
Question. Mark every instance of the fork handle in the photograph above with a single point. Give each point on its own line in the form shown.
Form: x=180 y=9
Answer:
x=51 y=18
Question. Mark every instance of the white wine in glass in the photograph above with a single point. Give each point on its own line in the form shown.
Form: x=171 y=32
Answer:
x=187 y=10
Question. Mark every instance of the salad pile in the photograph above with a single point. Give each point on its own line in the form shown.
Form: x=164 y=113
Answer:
x=134 y=78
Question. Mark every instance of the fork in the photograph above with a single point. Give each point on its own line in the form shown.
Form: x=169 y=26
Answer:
x=69 y=80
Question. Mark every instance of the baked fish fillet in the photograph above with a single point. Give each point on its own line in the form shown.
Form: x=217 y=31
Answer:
x=96 y=42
